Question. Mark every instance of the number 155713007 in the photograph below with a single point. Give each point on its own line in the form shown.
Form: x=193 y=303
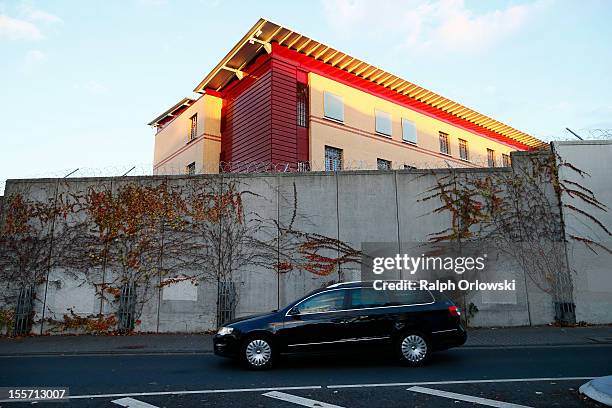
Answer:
x=32 y=393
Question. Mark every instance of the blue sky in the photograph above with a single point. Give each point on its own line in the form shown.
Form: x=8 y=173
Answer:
x=79 y=80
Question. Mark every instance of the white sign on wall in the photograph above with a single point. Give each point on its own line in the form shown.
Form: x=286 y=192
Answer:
x=182 y=290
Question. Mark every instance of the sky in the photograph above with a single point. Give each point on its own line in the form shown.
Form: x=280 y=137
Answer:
x=80 y=80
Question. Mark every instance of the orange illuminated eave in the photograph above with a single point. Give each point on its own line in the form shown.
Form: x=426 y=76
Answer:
x=265 y=35
x=172 y=112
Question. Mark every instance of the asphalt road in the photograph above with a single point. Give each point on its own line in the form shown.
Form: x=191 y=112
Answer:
x=540 y=377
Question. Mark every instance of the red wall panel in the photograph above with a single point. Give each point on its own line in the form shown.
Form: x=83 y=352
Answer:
x=259 y=117
x=246 y=117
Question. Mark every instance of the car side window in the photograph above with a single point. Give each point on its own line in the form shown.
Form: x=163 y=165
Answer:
x=323 y=302
x=409 y=297
x=367 y=297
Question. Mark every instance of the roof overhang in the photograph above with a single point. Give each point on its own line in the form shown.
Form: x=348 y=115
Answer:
x=185 y=102
x=264 y=33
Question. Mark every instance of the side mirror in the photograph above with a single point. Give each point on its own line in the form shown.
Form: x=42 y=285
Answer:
x=294 y=311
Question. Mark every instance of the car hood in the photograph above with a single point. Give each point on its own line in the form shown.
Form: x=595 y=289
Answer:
x=259 y=316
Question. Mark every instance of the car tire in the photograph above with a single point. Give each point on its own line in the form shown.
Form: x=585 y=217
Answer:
x=413 y=348
x=257 y=352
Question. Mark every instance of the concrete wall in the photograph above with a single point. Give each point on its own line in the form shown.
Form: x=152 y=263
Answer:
x=591 y=269
x=355 y=207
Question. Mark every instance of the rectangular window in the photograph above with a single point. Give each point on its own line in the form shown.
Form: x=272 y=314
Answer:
x=383 y=164
x=444 y=146
x=366 y=297
x=464 y=154
x=409 y=133
x=193 y=131
x=491 y=157
x=506 y=160
x=333 y=107
x=302 y=104
x=190 y=169
x=383 y=123
x=409 y=167
x=303 y=166
x=333 y=159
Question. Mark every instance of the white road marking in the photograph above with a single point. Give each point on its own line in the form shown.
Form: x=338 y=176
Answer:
x=316 y=387
x=499 y=380
x=466 y=398
x=132 y=403
x=305 y=402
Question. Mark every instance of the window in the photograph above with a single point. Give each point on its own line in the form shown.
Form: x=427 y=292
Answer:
x=383 y=123
x=366 y=297
x=333 y=159
x=383 y=164
x=444 y=146
x=333 y=107
x=193 y=132
x=491 y=157
x=324 y=302
x=190 y=169
x=464 y=154
x=302 y=104
x=303 y=166
x=408 y=131
x=409 y=297
x=409 y=167
x=506 y=160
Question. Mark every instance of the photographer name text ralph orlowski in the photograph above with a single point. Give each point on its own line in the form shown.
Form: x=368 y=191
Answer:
x=444 y=285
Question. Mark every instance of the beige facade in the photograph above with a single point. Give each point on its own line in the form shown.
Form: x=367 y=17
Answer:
x=361 y=145
x=355 y=135
x=175 y=149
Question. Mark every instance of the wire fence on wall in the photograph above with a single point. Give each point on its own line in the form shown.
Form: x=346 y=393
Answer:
x=148 y=169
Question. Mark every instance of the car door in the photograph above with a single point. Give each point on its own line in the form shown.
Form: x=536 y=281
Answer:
x=370 y=318
x=316 y=321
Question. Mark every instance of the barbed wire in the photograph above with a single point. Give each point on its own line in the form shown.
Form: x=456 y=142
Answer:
x=146 y=169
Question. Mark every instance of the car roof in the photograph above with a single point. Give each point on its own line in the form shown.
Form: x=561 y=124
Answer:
x=353 y=284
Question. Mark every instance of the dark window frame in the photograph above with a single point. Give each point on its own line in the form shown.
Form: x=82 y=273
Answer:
x=464 y=151
x=302 y=104
x=383 y=164
x=444 y=143
x=193 y=127
x=491 y=157
x=506 y=160
x=333 y=163
x=190 y=169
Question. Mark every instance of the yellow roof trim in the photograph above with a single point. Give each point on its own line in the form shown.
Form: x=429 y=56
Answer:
x=266 y=31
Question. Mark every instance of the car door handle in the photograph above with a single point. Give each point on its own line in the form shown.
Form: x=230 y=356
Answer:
x=341 y=321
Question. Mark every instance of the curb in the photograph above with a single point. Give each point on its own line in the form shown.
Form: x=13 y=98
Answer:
x=599 y=389
x=102 y=353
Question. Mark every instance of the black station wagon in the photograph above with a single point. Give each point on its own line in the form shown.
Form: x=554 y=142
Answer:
x=413 y=323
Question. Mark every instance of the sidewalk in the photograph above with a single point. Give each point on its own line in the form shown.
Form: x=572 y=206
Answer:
x=201 y=343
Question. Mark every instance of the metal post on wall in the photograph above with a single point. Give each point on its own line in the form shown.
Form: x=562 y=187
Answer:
x=51 y=233
x=161 y=263
x=278 y=306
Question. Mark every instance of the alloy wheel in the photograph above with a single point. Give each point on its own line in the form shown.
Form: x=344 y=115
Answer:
x=414 y=348
x=258 y=352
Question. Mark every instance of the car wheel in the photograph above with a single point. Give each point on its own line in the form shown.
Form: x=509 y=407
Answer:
x=257 y=352
x=414 y=349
